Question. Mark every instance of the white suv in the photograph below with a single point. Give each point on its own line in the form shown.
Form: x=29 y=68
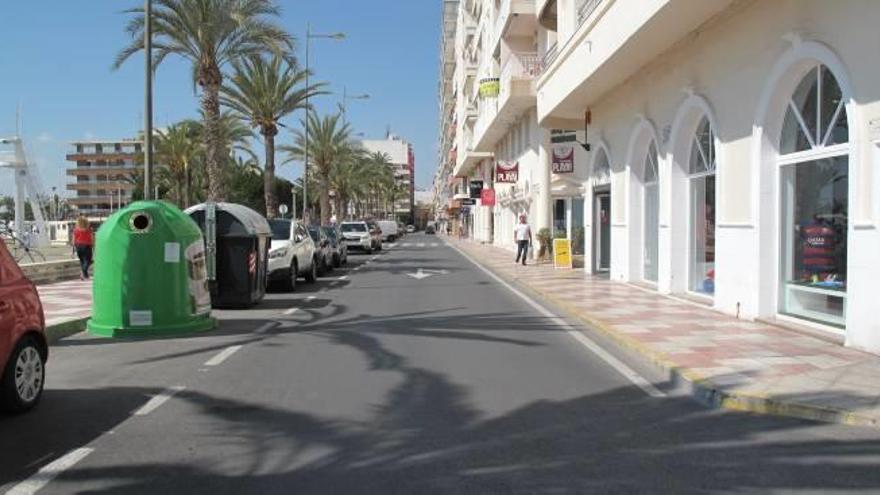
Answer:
x=357 y=235
x=292 y=253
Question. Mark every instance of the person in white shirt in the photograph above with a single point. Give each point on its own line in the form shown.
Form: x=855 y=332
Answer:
x=523 y=236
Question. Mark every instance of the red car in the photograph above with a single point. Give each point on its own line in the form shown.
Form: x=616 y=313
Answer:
x=23 y=346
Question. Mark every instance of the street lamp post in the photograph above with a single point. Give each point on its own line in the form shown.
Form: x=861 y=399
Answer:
x=148 y=98
x=309 y=37
x=346 y=98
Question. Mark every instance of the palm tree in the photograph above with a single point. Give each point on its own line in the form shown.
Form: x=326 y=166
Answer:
x=329 y=144
x=210 y=34
x=177 y=151
x=261 y=92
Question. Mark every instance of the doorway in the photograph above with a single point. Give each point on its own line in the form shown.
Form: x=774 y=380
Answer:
x=602 y=230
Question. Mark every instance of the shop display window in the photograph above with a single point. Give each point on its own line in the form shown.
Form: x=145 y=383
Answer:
x=651 y=215
x=815 y=202
x=701 y=176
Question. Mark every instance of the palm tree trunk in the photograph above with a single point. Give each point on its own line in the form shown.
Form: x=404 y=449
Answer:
x=186 y=185
x=269 y=177
x=213 y=147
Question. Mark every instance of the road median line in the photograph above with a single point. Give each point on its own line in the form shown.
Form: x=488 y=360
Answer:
x=49 y=472
x=222 y=356
x=158 y=400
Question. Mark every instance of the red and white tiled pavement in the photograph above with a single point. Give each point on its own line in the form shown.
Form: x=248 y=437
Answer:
x=66 y=301
x=746 y=357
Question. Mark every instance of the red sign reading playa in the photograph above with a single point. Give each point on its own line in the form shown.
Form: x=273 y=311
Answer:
x=506 y=172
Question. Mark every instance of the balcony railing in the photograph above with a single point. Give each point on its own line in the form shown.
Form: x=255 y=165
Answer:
x=549 y=56
x=523 y=65
x=586 y=9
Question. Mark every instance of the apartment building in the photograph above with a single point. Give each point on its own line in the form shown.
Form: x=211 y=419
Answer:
x=496 y=142
x=403 y=161
x=99 y=177
x=723 y=151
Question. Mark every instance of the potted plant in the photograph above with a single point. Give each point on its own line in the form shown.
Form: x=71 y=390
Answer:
x=545 y=240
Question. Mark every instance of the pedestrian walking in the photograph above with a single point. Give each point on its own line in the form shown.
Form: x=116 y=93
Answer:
x=523 y=236
x=83 y=243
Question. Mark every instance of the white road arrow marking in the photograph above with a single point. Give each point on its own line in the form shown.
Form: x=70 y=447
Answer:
x=423 y=273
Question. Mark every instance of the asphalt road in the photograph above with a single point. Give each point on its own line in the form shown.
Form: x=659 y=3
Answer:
x=384 y=379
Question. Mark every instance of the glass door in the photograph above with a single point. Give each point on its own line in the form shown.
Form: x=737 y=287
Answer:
x=602 y=231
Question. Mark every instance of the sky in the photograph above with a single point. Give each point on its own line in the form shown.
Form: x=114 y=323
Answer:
x=56 y=56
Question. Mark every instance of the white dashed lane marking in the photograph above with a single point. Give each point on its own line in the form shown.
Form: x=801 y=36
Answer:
x=157 y=400
x=49 y=472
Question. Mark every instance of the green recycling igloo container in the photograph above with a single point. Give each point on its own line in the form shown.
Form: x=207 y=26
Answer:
x=150 y=274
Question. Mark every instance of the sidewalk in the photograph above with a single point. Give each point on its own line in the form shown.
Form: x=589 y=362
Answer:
x=67 y=306
x=731 y=363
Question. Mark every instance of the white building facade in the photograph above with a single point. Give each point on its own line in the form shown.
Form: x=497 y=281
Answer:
x=402 y=159
x=734 y=151
x=492 y=128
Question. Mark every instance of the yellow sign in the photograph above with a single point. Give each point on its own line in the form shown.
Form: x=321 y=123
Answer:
x=562 y=253
x=490 y=87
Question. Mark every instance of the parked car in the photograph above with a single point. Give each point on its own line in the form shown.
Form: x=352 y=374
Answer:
x=389 y=230
x=337 y=245
x=291 y=254
x=357 y=236
x=323 y=251
x=375 y=234
x=429 y=229
x=23 y=346
x=410 y=229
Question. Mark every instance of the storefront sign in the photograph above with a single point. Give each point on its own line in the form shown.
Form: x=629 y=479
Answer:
x=469 y=201
x=562 y=253
x=507 y=172
x=490 y=87
x=562 y=136
x=563 y=160
x=487 y=198
x=476 y=188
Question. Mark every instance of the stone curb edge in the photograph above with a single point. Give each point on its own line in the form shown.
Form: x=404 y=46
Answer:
x=56 y=332
x=702 y=388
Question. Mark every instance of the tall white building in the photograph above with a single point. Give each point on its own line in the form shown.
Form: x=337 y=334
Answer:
x=734 y=146
x=402 y=158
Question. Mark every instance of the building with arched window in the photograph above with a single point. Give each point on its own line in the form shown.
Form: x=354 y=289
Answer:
x=734 y=151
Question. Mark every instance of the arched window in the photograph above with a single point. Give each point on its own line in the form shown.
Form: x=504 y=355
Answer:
x=601 y=168
x=701 y=185
x=814 y=184
x=816 y=114
x=651 y=186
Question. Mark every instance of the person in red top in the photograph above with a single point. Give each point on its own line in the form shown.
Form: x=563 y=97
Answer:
x=83 y=243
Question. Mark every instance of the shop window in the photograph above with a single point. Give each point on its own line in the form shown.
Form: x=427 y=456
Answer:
x=651 y=215
x=578 y=240
x=815 y=201
x=701 y=179
x=560 y=227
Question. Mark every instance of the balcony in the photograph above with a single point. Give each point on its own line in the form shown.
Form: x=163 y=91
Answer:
x=515 y=18
x=611 y=42
x=516 y=95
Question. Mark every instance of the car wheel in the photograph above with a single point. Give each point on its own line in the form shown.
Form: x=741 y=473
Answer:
x=23 y=378
x=370 y=250
x=290 y=285
x=312 y=275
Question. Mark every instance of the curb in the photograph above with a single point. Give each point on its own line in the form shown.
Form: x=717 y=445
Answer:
x=56 y=332
x=700 y=387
